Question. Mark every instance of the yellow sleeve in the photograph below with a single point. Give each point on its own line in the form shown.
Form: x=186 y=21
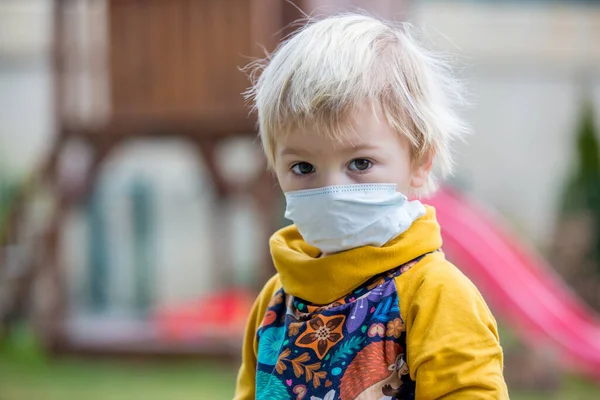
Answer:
x=453 y=349
x=245 y=387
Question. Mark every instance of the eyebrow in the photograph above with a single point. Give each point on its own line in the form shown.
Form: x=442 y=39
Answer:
x=293 y=152
x=348 y=149
x=362 y=146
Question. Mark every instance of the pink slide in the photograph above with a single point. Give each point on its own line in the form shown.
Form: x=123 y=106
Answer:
x=518 y=284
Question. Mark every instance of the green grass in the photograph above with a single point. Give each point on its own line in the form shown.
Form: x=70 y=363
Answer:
x=73 y=379
x=25 y=374
x=572 y=389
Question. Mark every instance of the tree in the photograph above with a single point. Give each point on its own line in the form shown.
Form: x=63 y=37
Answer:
x=577 y=242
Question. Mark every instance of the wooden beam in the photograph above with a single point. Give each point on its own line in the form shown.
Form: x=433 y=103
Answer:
x=51 y=324
x=146 y=127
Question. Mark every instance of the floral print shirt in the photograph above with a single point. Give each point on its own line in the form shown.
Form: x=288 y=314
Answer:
x=353 y=348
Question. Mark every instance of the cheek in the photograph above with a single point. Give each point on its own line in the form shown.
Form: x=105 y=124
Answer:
x=284 y=181
x=403 y=174
x=288 y=181
x=403 y=185
x=280 y=173
x=392 y=172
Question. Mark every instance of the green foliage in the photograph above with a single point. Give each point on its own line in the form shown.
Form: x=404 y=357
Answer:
x=27 y=374
x=587 y=145
x=582 y=191
x=347 y=348
x=8 y=192
x=269 y=388
x=582 y=188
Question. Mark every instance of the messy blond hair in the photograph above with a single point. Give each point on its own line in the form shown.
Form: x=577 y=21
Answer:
x=316 y=79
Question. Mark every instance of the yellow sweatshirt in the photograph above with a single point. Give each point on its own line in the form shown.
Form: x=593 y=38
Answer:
x=398 y=321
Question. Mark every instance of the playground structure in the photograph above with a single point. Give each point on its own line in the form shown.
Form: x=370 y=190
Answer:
x=128 y=70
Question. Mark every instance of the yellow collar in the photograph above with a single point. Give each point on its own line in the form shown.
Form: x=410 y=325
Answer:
x=324 y=280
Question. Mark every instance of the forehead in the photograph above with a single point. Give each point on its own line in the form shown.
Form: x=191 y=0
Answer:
x=365 y=129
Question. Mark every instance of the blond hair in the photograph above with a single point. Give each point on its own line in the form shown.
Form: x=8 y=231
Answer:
x=330 y=68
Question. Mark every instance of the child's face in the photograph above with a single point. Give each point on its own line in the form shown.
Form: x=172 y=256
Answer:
x=373 y=153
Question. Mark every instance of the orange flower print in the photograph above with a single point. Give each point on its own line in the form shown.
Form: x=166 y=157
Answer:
x=320 y=309
x=294 y=328
x=322 y=333
x=277 y=299
x=280 y=366
x=395 y=328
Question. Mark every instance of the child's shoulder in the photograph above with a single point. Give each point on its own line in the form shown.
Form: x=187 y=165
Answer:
x=436 y=288
x=270 y=289
x=434 y=273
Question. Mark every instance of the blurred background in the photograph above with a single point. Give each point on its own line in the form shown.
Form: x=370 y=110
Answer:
x=135 y=209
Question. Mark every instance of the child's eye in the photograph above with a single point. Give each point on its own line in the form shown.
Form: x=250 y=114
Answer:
x=360 y=164
x=302 y=168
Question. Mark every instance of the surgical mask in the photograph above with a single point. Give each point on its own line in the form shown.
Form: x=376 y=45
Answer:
x=338 y=218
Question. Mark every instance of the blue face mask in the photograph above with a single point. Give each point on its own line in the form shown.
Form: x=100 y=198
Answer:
x=338 y=218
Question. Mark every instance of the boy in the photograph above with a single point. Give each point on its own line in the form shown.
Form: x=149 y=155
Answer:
x=353 y=116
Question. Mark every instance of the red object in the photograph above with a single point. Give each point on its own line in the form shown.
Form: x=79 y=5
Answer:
x=221 y=315
x=518 y=283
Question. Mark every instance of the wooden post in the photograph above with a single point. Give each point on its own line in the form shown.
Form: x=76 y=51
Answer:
x=52 y=321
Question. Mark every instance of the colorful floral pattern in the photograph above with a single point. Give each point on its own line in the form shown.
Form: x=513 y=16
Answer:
x=395 y=328
x=270 y=343
x=321 y=334
x=351 y=348
x=272 y=388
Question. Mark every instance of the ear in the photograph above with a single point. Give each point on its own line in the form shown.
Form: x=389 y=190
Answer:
x=421 y=170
